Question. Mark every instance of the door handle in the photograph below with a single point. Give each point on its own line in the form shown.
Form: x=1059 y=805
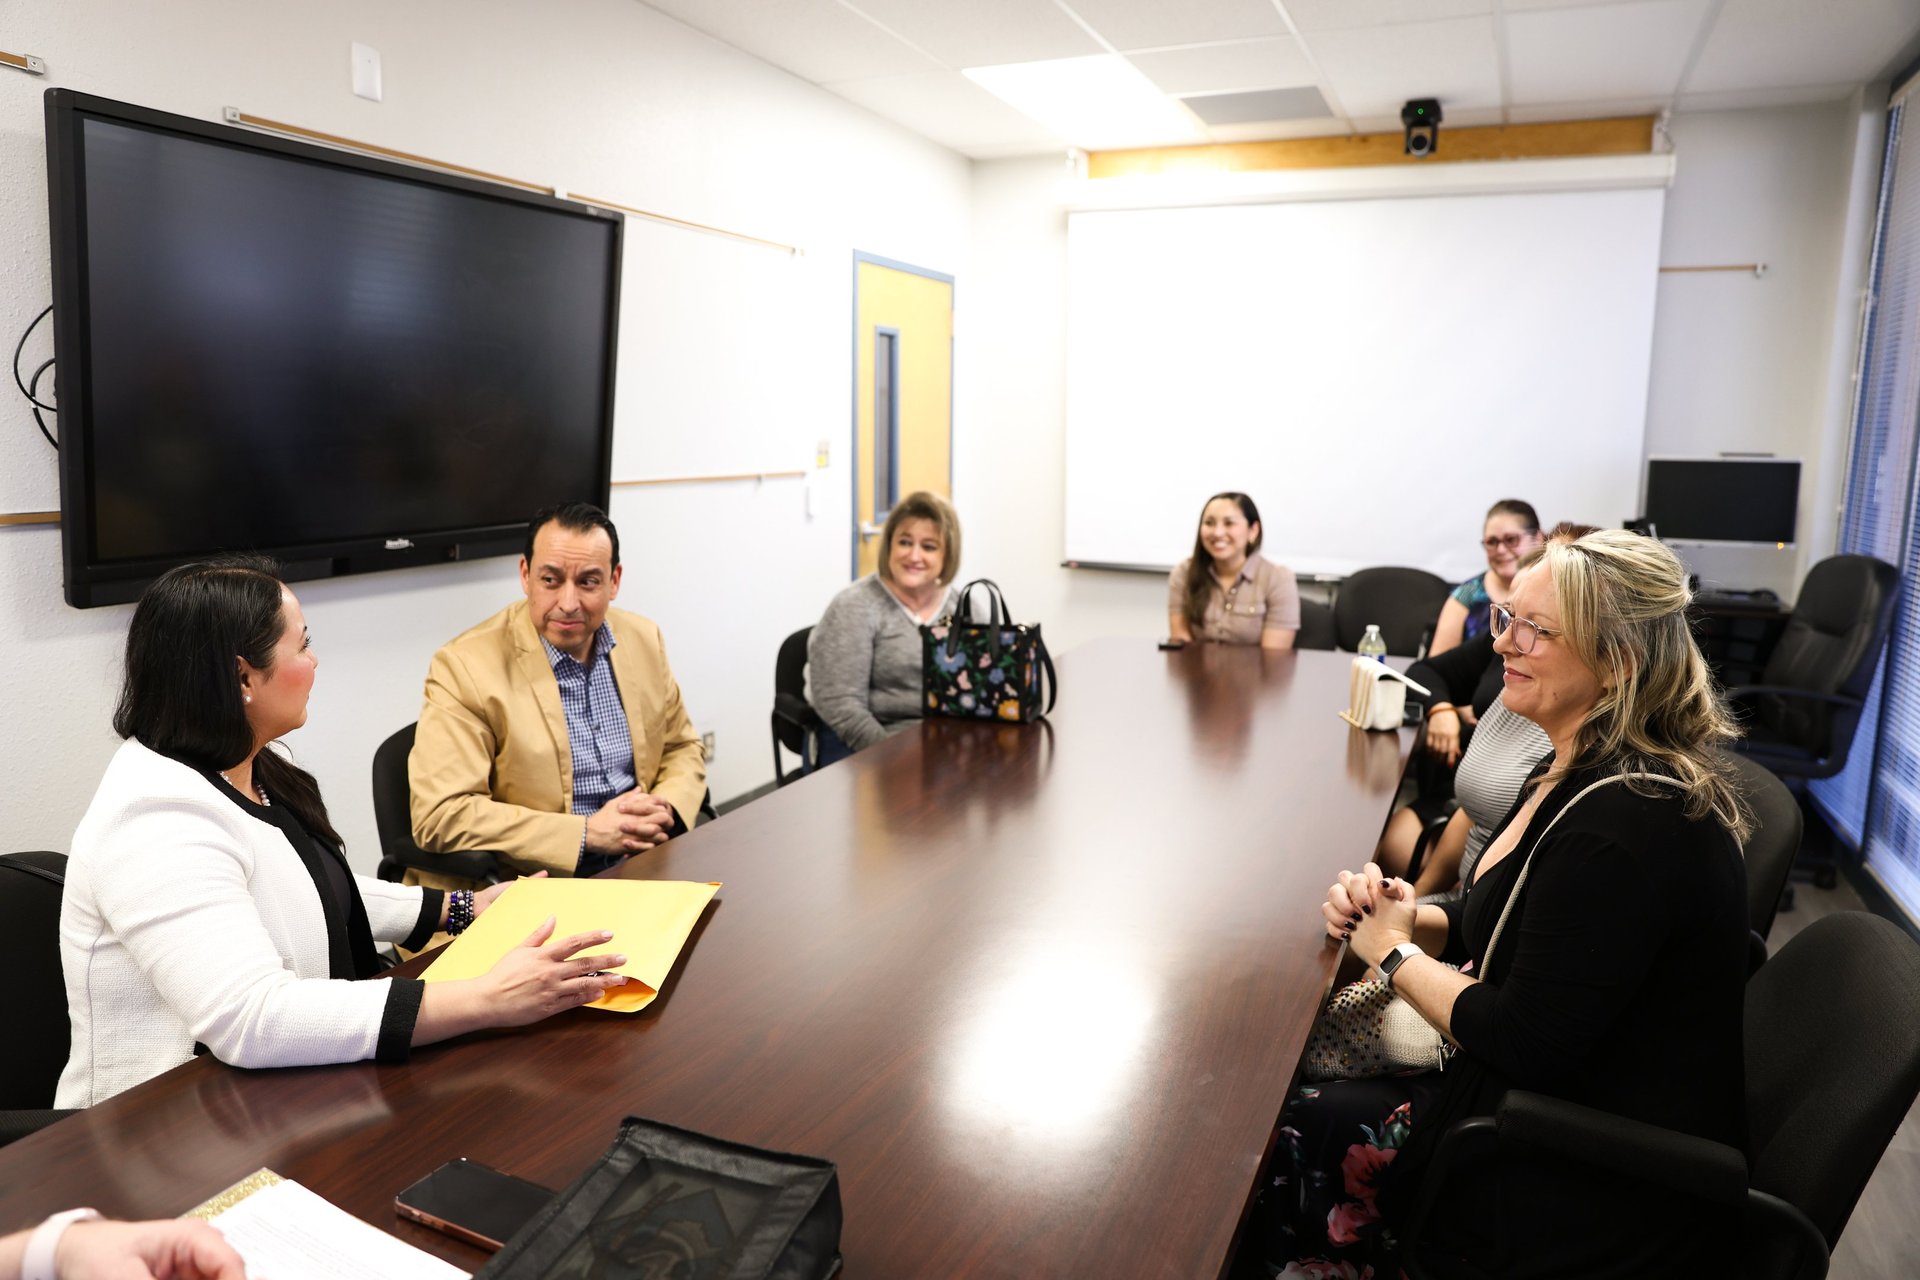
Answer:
x=870 y=531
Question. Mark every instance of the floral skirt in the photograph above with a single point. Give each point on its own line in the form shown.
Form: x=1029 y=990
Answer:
x=1318 y=1214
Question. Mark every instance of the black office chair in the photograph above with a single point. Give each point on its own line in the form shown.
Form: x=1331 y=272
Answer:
x=1316 y=626
x=1404 y=602
x=796 y=725
x=33 y=1000
x=1832 y=1066
x=1800 y=720
x=393 y=817
x=1428 y=837
x=1770 y=848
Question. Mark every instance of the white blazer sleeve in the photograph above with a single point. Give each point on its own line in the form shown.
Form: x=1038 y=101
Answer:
x=175 y=892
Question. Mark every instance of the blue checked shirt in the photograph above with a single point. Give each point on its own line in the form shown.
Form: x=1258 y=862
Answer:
x=597 y=735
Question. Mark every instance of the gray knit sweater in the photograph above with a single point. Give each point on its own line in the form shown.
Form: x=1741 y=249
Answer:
x=863 y=663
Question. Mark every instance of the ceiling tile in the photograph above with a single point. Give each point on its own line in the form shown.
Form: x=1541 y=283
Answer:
x=1610 y=51
x=983 y=33
x=816 y=40
x=1151 y=24
x=952 y=110
x=1268 y=130
x=1335 y=15
x=1261 y=104
x=1373 y=71
x=1612 y=108
x=1222 y=68
x=1520 y=6
x=1771 y=44
x=1747 y=99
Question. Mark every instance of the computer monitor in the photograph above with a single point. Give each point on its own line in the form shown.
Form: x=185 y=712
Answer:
x=1745 y=501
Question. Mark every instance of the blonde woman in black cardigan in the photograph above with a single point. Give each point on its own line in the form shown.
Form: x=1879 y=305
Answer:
x=1618 y=978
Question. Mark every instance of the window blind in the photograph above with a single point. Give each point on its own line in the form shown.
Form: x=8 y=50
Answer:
x=1880 y=514
x=1879 y=474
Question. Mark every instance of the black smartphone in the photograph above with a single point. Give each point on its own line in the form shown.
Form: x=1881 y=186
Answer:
x=472 y=1202
x=1171 y=646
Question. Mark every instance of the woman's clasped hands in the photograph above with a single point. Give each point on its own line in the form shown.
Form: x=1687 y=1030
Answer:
x=1371 y=911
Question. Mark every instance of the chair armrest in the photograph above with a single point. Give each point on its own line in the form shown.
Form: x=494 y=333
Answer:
x=483 y=865
x=1783 y=691
x=15 y=1125
x=796 y=711
x=1633 y=1149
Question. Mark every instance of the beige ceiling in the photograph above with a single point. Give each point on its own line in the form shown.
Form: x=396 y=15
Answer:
x=1349 y=63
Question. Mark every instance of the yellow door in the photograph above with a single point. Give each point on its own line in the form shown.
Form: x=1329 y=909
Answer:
x=902 y=393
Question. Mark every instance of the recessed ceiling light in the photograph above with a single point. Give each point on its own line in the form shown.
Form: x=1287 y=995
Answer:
x=1100 y=103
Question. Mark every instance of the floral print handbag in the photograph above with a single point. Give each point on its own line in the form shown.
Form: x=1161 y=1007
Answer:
x=996 y=670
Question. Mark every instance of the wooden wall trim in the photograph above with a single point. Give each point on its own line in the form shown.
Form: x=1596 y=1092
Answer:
x=1630 y=135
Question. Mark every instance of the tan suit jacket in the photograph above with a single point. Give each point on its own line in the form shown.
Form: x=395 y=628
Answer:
x=491 y=767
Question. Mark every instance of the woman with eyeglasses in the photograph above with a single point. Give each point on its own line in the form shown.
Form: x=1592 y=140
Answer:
x=1617 y=892
x=1511 y=532
x=1487 y=759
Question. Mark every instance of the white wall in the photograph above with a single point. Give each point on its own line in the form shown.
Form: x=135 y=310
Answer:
x=1741 y=363
x=1738 y=363
x=600 y=96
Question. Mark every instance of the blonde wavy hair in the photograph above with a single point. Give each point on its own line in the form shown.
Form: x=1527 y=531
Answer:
x=1623 y=607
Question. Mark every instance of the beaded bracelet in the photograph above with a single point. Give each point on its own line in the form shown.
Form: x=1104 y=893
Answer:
x=459 y=910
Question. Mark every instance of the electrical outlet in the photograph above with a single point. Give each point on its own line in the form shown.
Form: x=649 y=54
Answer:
x=706 y=744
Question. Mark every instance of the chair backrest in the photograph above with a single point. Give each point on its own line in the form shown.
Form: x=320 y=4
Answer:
x=1833 y=1061
x=393 y=798
x=1775 y=840
x=1831 y=644
x=33 y=999
x=1316 y=626
x=790 y=678
x=1404 y=602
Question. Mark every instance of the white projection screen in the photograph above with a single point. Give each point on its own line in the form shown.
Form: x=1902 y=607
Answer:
x=1374 y=372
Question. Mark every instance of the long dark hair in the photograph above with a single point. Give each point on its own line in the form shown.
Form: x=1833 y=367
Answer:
x=180 y=696
x=1200 y=568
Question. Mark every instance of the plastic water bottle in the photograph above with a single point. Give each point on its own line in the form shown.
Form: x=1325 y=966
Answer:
x=1372 y=645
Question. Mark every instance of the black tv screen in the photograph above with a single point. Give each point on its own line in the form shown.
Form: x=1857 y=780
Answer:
x=1748 y=500
x=347 y=363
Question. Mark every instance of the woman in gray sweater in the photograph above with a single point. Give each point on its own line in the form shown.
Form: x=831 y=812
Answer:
x=863 y=659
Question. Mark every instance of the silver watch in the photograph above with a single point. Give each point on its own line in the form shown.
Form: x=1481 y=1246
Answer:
x=1391 y=962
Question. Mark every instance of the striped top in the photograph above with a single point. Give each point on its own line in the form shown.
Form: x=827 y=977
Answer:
x=1503 y=751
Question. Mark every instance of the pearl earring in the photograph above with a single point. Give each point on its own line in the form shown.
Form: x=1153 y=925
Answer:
x=246 y=697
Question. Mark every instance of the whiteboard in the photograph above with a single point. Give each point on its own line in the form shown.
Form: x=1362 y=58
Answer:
x=714 y=356
x=1375 y=373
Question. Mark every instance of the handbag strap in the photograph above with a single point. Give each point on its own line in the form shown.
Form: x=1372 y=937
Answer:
x=999 y=617
x=1046 y=668
x=1527 y=866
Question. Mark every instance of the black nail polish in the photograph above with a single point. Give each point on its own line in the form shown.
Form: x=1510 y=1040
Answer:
x=1356 y=917
x=1368 y=910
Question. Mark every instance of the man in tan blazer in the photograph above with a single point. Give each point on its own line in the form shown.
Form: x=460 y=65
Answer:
x=553 y=733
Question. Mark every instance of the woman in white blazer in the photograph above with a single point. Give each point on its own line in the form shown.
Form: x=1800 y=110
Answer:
x=208 y=903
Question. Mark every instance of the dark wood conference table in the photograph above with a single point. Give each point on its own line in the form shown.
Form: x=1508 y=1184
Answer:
x=1037 y=991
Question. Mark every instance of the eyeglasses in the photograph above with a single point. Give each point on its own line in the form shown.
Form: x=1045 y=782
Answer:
x=1511 y=541
x=1525 y=634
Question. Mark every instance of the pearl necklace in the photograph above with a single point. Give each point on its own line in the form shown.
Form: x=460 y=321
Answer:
x=258 y=790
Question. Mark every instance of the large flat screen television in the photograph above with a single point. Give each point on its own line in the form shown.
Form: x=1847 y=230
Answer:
x=346 y=363
x=1732 y=500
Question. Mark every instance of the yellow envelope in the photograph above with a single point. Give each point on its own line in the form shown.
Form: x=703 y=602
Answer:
x=649 y=921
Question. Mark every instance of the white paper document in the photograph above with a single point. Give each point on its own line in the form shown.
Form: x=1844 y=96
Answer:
x=286 y=1232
